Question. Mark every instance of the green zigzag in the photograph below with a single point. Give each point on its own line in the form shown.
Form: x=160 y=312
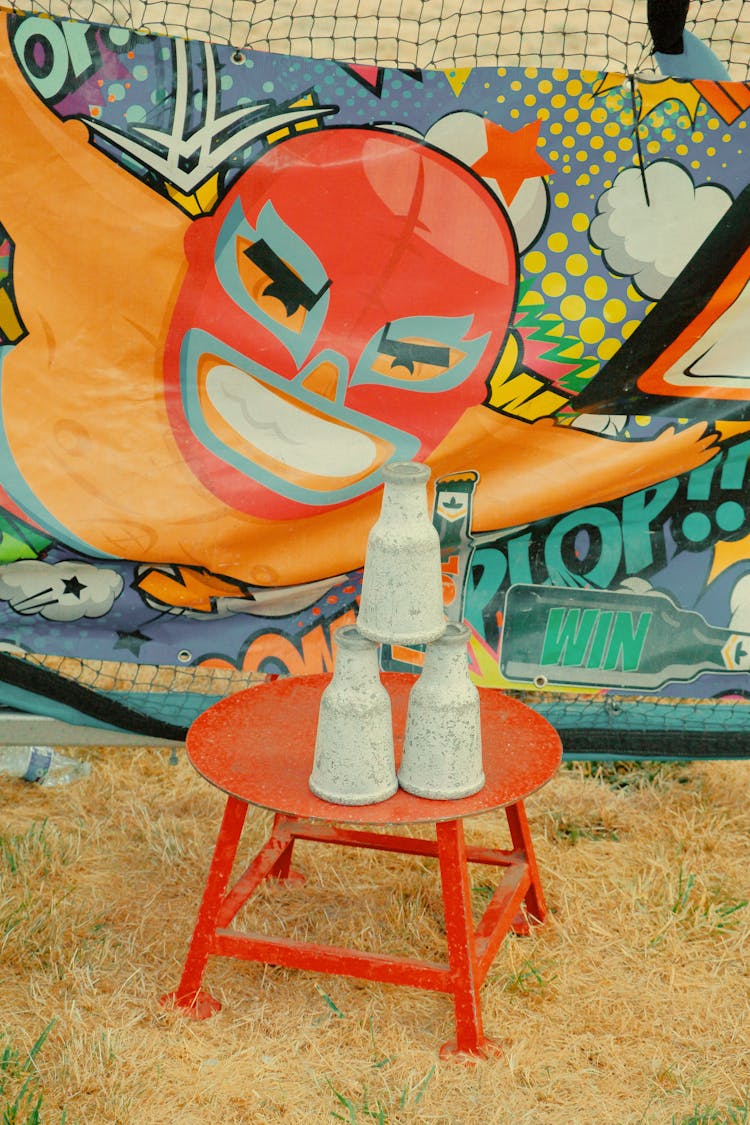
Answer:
x=527 y=317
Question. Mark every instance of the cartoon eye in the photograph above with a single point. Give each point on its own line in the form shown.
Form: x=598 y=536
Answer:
x=273 y=286
x=411 y=360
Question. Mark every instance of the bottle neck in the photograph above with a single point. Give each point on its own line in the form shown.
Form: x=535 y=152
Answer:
x=356 y=667
x=446 y=660
x=404 y=502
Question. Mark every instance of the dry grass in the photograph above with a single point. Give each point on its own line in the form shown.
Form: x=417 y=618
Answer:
x=629 y=1005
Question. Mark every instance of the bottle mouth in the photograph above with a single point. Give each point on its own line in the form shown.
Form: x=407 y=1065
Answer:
x=349 y=637
x=455 y=633
x=406 y=472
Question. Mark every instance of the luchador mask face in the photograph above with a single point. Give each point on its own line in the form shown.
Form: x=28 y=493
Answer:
x=342 y=308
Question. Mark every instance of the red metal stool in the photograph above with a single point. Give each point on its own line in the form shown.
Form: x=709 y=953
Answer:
x=258 y=747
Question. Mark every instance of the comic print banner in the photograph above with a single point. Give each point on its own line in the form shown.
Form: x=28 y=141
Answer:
x=234 y=285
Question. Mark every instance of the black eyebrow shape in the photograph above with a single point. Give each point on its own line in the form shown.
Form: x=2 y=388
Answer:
x=295 y=290
x=407 y=353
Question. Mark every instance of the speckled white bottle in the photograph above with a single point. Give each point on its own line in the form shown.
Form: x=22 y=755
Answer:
x=402 y=587
x=443 y=741
x=354 y=763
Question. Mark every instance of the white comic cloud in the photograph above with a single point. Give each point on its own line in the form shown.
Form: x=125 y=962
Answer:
x=652 y=238
x=65 y=591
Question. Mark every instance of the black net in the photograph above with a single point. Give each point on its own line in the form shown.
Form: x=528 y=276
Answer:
x=598 y=35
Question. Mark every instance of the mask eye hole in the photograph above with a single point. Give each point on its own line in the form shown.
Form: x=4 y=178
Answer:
x=273 y=286
x=412 y=359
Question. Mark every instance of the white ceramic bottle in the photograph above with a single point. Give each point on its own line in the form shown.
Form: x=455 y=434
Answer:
x=442 y=756
x=402 y=587
x=354 y=763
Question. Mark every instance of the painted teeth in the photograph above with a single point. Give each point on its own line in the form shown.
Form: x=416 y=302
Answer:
x=285 y=432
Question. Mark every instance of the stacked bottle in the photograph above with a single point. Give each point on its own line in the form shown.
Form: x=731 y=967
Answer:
x=401 y=603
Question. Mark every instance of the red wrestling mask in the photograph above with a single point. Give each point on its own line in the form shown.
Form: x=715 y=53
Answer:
x=342 y=307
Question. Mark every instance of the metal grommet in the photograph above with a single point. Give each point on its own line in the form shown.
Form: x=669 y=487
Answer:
x=184 y=656
x=540 y=681
x=237 y=57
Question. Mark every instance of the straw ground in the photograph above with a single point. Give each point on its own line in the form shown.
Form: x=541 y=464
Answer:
x=631 y=1004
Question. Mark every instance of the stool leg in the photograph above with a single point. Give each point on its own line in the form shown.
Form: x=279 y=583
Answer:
x=282 y=868
x=470 y=1041
x=520 y=834
x=189 y=995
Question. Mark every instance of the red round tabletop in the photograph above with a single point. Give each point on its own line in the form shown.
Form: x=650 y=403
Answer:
x=258 y=745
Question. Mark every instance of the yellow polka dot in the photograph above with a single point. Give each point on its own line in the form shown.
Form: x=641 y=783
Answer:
x=710 y=151
x=562 y=199
x=553 y=154
x=571 y=115
x=530 y=99
x=574 y=87
x=595 y=288
x=583 y=128
x=625 y=144
x=577 y=264
x=697 y=136
x=612 y=129
x=554 y=284
x=545 y=86
x=535 y=262
x=594 y=169
x=695 y=164
x=531 y=72
x=633 y=294
x=580 y=221
x=591 y=330
x=615 y=311
x=599 y=115
x=681 y=150
x=607 y=348
x=610 y=157
x=573 y=307
x=597 y=142
x=569 y=142
x=558 y=100
x=653 y=146
x=713 y=123
x=583 y=179
x=558 y=241
x=642 y=419
x=516 y=85
x=582 y=155
x=556 y=128
x=543 y=115
x=629 y=328
x=560 y=74
x=515 y=113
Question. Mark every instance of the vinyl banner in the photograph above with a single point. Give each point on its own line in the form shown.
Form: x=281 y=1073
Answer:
x=234 y=285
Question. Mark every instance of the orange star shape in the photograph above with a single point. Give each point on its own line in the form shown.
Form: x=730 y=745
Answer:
x=511 y=158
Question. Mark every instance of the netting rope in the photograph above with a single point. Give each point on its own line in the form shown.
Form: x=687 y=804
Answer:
x=437 y=34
